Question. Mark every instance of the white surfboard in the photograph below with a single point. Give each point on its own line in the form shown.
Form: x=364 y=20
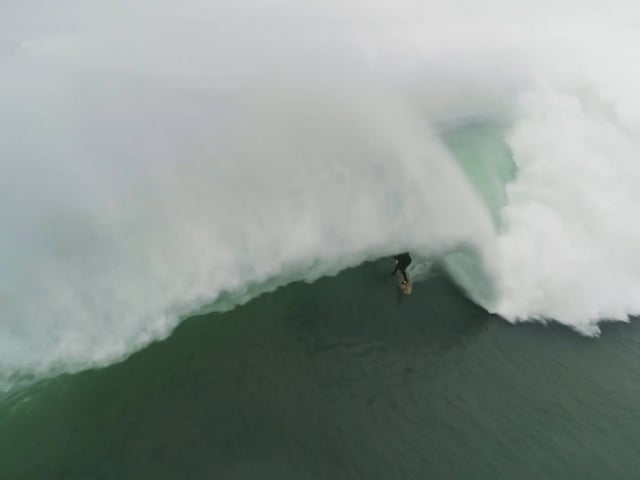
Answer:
x=405 y=287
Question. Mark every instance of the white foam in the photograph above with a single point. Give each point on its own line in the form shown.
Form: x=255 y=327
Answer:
x=570 y=247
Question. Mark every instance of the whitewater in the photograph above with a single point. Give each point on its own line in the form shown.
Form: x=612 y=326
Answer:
x=166 y=158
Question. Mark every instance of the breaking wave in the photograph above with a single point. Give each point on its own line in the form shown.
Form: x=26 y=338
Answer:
x=164 y=158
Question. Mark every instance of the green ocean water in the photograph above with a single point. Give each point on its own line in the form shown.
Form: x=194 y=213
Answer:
x=342 y=379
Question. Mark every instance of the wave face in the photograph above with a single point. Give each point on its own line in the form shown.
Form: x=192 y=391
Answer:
x=160 y=158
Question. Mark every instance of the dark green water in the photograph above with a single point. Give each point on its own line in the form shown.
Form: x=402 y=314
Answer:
x=337 y=380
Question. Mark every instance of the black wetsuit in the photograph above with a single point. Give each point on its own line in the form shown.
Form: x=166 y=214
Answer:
x=404 y=260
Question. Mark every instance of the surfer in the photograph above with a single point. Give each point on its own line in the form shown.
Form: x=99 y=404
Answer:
x=404 y=260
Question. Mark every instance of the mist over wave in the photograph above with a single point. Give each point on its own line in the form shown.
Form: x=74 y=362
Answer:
x=159 y=155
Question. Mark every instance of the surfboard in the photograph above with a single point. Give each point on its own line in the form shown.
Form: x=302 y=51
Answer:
x=405 y=287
